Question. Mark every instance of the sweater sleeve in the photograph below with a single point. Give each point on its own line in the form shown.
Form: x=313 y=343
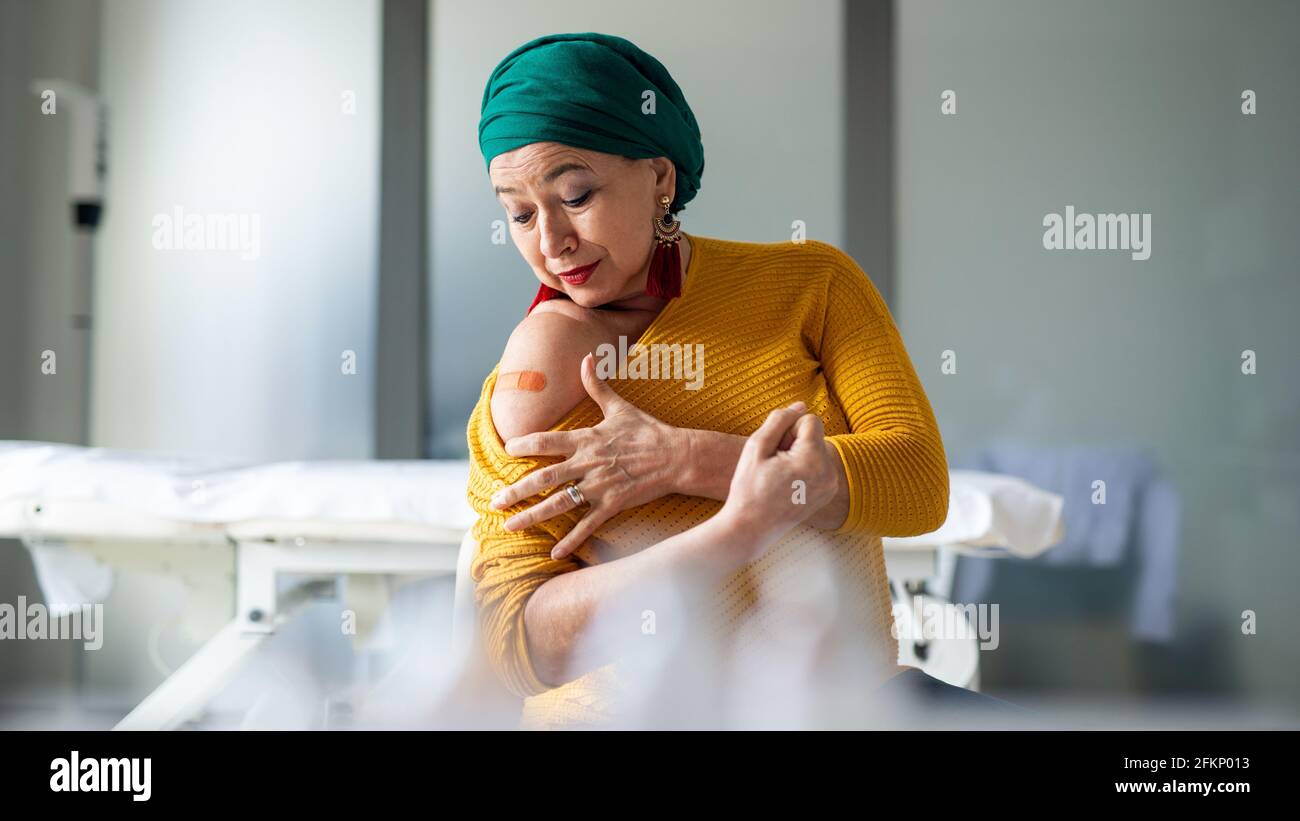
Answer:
x=894 y=456
x=509 y=565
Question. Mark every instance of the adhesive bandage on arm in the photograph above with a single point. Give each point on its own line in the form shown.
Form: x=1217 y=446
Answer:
x=522 y=381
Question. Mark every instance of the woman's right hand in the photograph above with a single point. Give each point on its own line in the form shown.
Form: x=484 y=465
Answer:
x=784 y=475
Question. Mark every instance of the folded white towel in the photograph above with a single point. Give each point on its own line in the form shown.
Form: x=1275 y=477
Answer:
x=994 y=510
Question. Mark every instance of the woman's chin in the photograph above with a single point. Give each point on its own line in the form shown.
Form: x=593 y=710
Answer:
x=587 y=297
x=590 y=295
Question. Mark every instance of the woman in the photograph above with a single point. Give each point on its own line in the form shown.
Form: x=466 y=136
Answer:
x=799 y=407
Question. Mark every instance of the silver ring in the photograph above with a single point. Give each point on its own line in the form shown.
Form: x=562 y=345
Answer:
x=574 y=494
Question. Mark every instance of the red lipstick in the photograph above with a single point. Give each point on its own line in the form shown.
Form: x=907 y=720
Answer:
x=578 y=276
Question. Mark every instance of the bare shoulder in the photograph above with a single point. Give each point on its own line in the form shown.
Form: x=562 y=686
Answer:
x=539 y=381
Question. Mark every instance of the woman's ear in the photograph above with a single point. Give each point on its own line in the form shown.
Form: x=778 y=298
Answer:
x=665 y=176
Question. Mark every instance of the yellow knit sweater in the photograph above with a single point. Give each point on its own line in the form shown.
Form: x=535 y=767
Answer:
x=779 y=322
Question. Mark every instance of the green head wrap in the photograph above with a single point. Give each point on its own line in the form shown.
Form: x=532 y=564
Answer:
x=588 y=90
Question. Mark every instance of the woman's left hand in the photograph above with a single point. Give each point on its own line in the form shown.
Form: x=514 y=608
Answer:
x=626 y=460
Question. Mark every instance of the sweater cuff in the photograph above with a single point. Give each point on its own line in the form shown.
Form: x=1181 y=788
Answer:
x=508 y=651
x=522 y=679
x=851 y=480
x=898 y=483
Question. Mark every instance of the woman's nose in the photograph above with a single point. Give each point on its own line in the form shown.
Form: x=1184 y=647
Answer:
x=556 y=235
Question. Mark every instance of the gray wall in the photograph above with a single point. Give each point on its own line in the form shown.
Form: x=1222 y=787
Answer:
x=401 y=299
x=44 y=262
x=239 y=107
x=217 y=108
x=41 y=259
x=766 y=83
x=1119 y=106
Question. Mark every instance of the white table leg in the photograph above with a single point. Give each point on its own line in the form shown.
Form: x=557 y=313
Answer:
x=261 y=609
x=196 y=682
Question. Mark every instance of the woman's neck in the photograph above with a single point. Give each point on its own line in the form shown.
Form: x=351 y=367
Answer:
x=643 y=301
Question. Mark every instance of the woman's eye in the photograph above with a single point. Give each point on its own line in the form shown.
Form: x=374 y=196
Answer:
x=522 y=218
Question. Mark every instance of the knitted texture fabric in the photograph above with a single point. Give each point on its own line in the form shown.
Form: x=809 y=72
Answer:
x=779 y=322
